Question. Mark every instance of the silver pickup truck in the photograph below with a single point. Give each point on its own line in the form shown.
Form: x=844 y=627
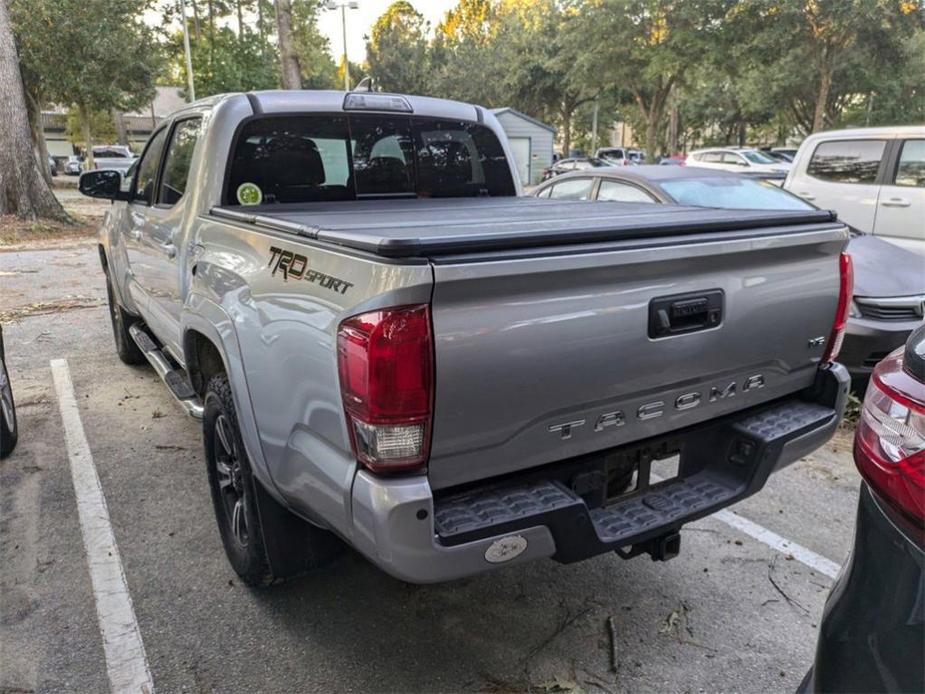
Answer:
x=389 y=347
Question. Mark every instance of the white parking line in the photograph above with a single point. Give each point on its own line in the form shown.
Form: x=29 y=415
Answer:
x=802 y=554
x=126 y=662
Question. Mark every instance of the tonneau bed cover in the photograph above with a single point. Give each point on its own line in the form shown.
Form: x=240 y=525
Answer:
x=428 y=227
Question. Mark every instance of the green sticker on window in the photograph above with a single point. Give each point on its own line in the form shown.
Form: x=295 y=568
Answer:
x=249 y=194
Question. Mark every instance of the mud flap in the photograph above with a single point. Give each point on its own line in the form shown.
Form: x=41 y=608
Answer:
x=293 y=545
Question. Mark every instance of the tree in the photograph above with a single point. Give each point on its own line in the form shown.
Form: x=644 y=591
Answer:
x=645 y=47
x=288 y=60
x=819 y=57
x=102 y=127
x=224 y=62
x=23 y=190
x=111 y=57
x=397 y=50
x=540 y=71
x=316 y=65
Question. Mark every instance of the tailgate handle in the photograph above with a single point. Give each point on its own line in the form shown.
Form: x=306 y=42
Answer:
x=685 y=313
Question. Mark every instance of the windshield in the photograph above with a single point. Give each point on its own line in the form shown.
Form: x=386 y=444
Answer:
x=756 y=157
x=732 y=193
x=281 y=159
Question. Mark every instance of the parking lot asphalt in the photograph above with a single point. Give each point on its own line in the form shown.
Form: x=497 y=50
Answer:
x=729 y=614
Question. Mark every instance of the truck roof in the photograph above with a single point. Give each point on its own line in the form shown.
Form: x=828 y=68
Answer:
x=428 y=227
x=301 y=101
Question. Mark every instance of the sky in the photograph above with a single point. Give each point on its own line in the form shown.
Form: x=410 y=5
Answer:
x=361 y=20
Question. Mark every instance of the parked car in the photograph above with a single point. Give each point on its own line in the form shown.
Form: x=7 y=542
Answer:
x=777 y=156
x=117 y=157
x=788 y=152
x=8 y=429
x=52 y=166
x=872 y=634
x=888 y=304
x=73 y=166
x=678 y=185
x=621 y=156
x=572 y=164
x=382 y=346
x=739 y=160
x=874 y=178
x=889 y=282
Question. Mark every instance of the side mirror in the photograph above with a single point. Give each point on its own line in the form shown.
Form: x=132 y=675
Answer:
x=104 y=183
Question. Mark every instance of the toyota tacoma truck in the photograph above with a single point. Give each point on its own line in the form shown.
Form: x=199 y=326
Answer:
x=390 y=348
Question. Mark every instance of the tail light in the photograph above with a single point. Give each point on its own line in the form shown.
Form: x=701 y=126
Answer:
x=840 y=324
x=889 y=445
x=386 y=364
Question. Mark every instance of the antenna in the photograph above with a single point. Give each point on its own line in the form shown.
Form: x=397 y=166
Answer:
x=364 y=85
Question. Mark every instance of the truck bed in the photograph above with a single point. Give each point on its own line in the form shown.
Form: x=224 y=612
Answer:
x=410 y=228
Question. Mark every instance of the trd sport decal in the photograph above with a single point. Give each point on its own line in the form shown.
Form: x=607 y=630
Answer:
x=295 y=266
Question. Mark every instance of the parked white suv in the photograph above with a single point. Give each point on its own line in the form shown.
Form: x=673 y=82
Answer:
x=739 y=160
x=874 y=178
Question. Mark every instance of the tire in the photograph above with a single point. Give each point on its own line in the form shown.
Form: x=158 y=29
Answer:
x=121 y=320
x=9 y=430
x=240 y=503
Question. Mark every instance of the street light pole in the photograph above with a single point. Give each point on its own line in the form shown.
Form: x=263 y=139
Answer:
x=186 y=50
x=343 y=6
x=343 y=26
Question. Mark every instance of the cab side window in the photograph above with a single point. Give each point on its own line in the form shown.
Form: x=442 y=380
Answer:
x=911 y=169
x=847 y=161
x=177 y=162
x=146 y=174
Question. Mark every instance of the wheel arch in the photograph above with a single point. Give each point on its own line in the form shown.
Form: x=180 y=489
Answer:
x=203 y=359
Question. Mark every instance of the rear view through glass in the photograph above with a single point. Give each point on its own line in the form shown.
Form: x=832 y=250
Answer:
x=297 y=159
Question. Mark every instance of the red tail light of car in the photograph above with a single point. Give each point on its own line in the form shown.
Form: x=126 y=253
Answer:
x=889 y=445
x=846 y=289
x=386 y=363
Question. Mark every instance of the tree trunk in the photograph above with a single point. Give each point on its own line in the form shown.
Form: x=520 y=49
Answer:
x=652 y=139
x=23 y=190
x=88 y=136
x=119 y=120
x=566 y=132
x=288 y=60
x=674 y=126
x=240 y=20
x=196 y=27
x=822 y=98
x=34 y=114
x=742 y=133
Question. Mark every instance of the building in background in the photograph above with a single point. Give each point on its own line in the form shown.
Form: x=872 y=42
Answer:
x=531 y=143
x=138 y=124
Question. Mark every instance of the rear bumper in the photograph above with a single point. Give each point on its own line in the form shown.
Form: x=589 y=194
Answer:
x=408 y=532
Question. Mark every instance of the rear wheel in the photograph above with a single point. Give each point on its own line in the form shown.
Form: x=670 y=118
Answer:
x=8 y=428
x=240 y=503
x=121 y=320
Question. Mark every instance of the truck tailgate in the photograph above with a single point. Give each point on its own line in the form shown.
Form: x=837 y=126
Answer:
x=548 y=354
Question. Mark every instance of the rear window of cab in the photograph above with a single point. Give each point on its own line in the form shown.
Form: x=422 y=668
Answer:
x=323 y=158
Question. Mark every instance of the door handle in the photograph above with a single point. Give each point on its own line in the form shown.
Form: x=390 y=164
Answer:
x=135 y=234
x=896 y=202
x=807 y=196
x=168 y=249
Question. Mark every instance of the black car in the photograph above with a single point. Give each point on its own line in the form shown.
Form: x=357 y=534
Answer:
x=889 y=285
x=8 y=430
x=564 y=166
x=872 y=635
